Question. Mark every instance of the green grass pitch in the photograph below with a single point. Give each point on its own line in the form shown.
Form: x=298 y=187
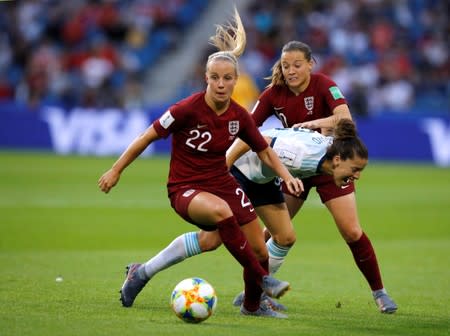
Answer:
x=54 y=221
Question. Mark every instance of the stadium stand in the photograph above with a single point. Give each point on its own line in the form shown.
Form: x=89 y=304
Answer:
x=387 y=56
x=86 y=53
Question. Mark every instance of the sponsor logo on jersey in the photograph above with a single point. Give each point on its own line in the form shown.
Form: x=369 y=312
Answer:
x=233 y=127
x=336 y=93
x=309 y=104
x=166 y=119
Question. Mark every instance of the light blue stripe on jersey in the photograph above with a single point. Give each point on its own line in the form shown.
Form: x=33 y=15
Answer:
x=191 y=244
x=310 y=165
x=304 y=149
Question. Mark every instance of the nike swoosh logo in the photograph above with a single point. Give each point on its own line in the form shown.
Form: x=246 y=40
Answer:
x=201 y=126
x=345 y=186
x=243 y=245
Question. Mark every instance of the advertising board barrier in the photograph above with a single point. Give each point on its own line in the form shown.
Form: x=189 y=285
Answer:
x=108 y=132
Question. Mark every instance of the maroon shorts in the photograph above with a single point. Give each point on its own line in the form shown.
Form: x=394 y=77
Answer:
x=325 y=187
x=231 y=192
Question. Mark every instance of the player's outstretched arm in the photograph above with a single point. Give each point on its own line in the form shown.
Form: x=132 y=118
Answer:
x=110 y=178
x=237 y=149
x=340 y=112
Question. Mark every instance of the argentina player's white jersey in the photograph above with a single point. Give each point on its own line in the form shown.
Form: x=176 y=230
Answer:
x=299 y=149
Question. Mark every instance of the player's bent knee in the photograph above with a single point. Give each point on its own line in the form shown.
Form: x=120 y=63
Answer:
x=210 y=246
x=209 y=241
x=285 y=240
x=352 y=235
x=221 y=211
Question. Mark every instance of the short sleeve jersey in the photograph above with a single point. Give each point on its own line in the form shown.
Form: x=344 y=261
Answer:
x=200 y=139
x=318 y=101
x=300 y=150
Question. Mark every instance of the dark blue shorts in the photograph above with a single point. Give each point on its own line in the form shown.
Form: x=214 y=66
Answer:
x=259 y=193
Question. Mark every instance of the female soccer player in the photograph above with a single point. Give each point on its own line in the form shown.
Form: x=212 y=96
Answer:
x=299 y=98
x=200 y=188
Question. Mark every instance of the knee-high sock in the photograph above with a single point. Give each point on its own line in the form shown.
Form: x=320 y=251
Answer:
x=366 y=260
x=180 y=248
x=253 y=293
x=277 y=253
x=234 y=240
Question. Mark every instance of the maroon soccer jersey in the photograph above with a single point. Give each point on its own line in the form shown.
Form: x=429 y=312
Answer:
x=200 y=139
x=318 y=101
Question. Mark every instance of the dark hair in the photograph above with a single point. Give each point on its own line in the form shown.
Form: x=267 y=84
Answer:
x=277 y=77
x=298 y=46
x=347 y=143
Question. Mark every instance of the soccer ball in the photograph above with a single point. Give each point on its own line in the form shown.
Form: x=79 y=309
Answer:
x=193 y=300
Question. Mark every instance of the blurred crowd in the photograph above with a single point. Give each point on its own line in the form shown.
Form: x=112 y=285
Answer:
x=90 y=53
x=385 y=55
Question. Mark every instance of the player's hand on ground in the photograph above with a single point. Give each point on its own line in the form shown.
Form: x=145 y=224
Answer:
x=295 y=186
x=108 y=180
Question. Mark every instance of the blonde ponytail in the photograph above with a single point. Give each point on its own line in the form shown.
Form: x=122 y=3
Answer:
x=230 y=39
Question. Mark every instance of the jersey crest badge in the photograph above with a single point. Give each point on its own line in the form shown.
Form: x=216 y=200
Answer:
x=233 y=127
x=309 y=104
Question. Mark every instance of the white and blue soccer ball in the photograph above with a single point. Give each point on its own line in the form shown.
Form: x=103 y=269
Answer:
x=193 y=300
